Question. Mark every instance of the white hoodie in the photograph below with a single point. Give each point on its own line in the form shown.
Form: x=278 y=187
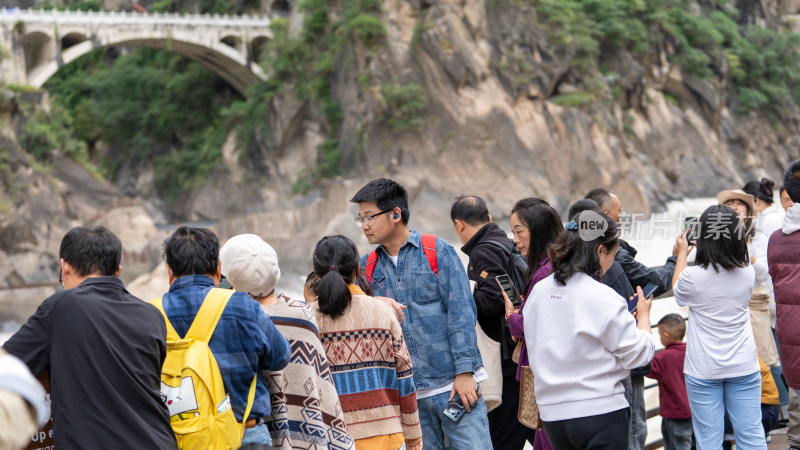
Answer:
x=791 y=222
x=582 y=342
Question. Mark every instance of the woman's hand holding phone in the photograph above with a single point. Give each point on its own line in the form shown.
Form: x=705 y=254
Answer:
x=643 y=310
x=510 y=308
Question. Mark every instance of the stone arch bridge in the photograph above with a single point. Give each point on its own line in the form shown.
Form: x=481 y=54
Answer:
x=36 y=43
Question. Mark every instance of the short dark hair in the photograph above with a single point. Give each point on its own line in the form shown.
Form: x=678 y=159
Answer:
x=674 y=324
x=192 y=251
x=721 y=242
x=336 y=260
x=761 y=190
x=470 y=209
x=544 y=225
x=387 y=194
x=791 y=181
x=91 y=250
x=601 y=196
x=584 y=205
x=571 y=254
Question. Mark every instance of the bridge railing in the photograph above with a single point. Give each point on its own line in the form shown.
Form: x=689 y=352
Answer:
x=127 y=17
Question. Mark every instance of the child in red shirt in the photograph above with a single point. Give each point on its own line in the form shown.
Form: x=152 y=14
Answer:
x=667 y=369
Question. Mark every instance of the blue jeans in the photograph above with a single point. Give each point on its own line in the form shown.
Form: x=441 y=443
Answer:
x=259 y=434
x=471 y=432
x=740 y=397
x=638 y=412
x=677 y=434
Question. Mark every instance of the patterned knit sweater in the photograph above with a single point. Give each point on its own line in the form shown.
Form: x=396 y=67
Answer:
x=372 y=369
x=306 y=413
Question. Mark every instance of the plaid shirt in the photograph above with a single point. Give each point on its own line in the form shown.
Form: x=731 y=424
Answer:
x=244 y=341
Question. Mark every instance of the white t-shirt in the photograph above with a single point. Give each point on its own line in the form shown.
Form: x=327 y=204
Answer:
x=770 y=220
x=719 y=338
x=479 y=375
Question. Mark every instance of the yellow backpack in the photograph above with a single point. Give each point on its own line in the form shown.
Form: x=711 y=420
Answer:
x=191 y=383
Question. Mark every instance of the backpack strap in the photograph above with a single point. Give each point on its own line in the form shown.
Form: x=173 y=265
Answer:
x=369 y=269
x=208 y=315
x=172 y=335
x=251 y=396
x=508 y=251
x=429 y=247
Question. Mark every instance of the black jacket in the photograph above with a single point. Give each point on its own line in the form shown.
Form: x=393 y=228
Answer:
x=104 y=349
x=639 y=275
x=486 y=261
x=615 y=279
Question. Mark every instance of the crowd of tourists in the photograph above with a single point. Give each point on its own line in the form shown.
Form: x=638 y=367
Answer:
x=544 y=339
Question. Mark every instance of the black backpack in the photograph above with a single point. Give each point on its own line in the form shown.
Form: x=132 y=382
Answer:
x=518 y=266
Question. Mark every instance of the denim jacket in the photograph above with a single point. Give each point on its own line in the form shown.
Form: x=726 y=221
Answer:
x=439 y=326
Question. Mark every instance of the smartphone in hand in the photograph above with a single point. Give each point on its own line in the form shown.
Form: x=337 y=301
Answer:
x=508 y=287
x=647 y=291
x=455 y=409
x=692 y=227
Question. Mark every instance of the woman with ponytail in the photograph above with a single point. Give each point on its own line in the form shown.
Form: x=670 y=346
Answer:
x=362 y=339
x=770 y=216
x=582 y=341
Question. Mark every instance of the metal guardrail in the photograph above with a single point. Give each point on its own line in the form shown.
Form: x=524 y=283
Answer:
x=127 y=17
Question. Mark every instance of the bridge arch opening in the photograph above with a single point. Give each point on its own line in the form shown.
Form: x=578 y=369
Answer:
x=259 y=46
x=39 y=49
x=232 y=41
x=72 y=39
x=222 y=59
x=280 y=8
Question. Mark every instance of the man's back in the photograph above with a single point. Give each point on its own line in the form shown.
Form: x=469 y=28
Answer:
x=104 y=349
x=486 y=261
x=244 y=341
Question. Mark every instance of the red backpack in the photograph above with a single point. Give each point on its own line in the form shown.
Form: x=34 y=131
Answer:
x=428 y=246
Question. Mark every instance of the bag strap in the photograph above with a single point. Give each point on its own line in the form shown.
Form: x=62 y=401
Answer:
x=429 y=247
x=205 y=321
x=251 y=396
x=172 y=335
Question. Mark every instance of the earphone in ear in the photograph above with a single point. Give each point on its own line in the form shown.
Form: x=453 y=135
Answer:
x=395 y=216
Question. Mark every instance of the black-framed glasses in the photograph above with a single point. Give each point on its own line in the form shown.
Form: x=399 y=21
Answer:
x=361 y=221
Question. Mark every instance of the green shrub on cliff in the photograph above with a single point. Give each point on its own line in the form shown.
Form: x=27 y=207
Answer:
x=45 y=134
x=151 y=106
x=705 y=38
x=403 y=104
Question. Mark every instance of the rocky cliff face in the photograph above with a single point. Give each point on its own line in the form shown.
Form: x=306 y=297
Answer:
x=489 y=128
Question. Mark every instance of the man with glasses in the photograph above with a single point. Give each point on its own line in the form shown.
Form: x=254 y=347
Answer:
x=104 y=349
x=440 y=316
